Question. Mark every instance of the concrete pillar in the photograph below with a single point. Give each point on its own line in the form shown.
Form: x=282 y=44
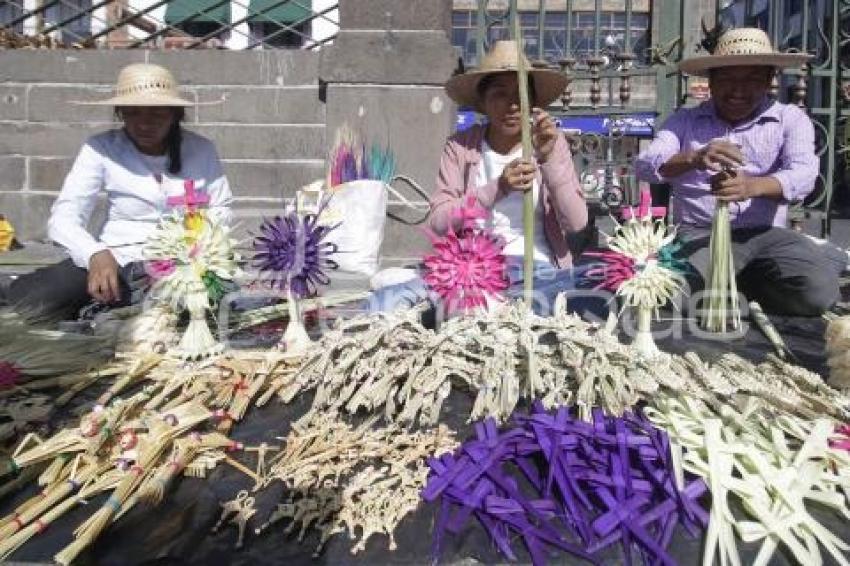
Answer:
x=384 y=77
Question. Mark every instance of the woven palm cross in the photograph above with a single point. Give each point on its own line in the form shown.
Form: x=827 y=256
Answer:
x=190 y=197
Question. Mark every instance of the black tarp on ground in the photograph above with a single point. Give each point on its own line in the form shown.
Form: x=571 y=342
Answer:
x=178 y=531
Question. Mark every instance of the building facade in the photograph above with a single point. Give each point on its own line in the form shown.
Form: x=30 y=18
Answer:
x=237 y=24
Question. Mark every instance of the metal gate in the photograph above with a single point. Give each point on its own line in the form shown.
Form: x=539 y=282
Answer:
x=605 y=69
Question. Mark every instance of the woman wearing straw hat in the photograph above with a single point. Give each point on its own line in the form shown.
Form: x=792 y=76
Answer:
x=137 y=167
x=485 y=161
x=758 y=154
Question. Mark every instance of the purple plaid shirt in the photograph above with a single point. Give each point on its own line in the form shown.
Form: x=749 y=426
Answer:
x=779 y=141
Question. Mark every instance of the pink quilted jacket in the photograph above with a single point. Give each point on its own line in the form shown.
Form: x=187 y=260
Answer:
x=564 y=208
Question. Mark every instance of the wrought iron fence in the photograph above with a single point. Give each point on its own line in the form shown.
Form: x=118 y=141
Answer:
x=634 y=46
x=187 y=24
x=619 y=67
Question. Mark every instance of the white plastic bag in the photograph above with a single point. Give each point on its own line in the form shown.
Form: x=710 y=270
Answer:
x=360 y=209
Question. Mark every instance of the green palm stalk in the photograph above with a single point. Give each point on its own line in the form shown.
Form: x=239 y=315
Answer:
x=721 y=311
x=528 y=197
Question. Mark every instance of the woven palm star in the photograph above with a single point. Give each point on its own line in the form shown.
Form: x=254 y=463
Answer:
x=180 y=265
x=616 y=269
x=842 y=439
x=467 y=266
x=641 y=263
x=292 y=250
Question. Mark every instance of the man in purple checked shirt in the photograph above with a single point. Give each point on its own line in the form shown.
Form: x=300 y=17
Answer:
x=757 y=154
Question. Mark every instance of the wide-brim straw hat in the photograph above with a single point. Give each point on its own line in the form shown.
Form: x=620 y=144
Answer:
x=742 y=47
x=463 y=88
x=145 y=84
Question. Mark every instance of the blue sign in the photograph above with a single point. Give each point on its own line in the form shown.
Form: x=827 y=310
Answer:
x=639 y=124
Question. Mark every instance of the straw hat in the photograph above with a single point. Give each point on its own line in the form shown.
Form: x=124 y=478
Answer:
x=742 y=47
x=143 y=84
x=463 y=88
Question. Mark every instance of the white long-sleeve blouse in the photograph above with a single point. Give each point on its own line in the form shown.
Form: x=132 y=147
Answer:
x=136 y=187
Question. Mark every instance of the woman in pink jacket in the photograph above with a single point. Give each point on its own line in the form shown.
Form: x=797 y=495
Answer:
x=486 y=161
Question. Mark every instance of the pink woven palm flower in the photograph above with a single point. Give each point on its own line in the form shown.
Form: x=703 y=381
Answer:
x=617 y=268
x=9 y=375
x=160 y=268
x=842 y=441
x=467 y=266
x=470 y=213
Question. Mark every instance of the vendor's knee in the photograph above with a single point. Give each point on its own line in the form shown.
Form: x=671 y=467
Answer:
x=817 y=293
x=823 y=292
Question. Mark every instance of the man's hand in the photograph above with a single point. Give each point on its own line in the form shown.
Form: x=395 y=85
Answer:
x=716 y=156
x=518 y=175
x=734 y=186
x=103 y=277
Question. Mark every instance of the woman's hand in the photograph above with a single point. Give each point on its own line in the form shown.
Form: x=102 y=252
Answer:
x=103 y=277
x=518 y=175
x=543 y=134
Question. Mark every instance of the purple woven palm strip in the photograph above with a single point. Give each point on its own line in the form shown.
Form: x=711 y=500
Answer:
x=561 y=484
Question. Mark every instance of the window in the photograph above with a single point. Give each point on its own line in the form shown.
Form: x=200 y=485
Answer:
x=759 y=20
x=583 y=42
x=555 y=20
x=277 y=24
x=584 y=20
x=795 y=7
x=10 y=12
x=461 y=19
x=528 y=19
x=618 y=21
x=199 y=18
x=758 y=6
x=273 y=34
x=583 y=34
x=79 y=27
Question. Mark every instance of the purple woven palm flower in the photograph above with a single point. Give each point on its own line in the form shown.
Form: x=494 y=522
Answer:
x=291 y=248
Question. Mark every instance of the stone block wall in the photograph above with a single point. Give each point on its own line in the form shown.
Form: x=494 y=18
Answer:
x=269 y=130
x=280 y=112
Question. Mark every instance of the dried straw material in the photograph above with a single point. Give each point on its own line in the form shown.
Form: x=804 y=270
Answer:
x=322 y=464
x=777 y=466
x=103 y=483
x=838 y=352
x=154 y=488
x=640 y=266
x=139 y=328
x=389 y=364
x=36 y=354
x=721 y=311
x=142 y=441
x=187 y=259
x=50 y=497
x=159 y=436
x=527 y=149
x=364 y=479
